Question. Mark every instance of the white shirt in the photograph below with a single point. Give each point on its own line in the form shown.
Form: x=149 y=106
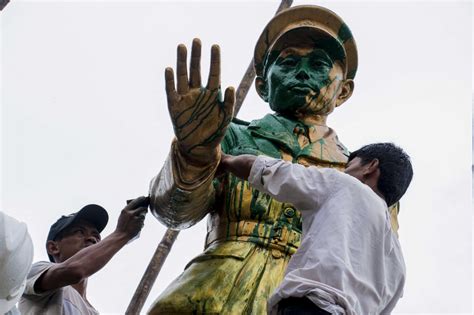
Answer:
x=349 y=260
x=62 y=301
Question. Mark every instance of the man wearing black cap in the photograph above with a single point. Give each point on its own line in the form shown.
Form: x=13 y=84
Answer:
x=75 y=251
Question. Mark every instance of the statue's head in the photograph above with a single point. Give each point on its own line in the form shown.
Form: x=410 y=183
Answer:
x=305 y=61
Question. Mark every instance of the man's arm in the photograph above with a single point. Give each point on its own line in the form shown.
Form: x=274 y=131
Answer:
x=304 y=187
x=240 y=165
x=91 y=259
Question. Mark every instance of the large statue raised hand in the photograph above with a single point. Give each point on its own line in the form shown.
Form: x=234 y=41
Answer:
x=200 y=117
x=182 y=194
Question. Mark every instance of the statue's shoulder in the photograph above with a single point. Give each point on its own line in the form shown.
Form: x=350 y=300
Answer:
x=245 y=137
x=236 y=133
x=239 y=127
x=240 y=137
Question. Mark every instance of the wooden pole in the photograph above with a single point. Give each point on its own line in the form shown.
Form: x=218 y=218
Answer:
x=163 y=249
x=249 y=75
x=151 y=272
x=3 y=4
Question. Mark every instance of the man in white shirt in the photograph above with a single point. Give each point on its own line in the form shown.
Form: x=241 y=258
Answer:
x=75 y=251
x=349 y=261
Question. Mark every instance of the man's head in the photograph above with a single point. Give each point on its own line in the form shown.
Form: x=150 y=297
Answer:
x=388 y=164
x=305 y=62
x=76 y=231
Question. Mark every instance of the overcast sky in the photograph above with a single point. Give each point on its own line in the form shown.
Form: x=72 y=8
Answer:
x=84 y=120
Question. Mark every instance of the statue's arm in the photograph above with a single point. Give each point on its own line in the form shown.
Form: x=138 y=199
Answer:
x=182 y=193
x=177 y=199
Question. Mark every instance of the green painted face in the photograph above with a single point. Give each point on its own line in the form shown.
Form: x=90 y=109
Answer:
x=303 y=81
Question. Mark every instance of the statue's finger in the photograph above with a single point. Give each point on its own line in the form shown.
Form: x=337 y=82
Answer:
x=170 y=90
x=214 y=80
x=182 y=72
x=229 y=101
x=195 y=70
x=169 y=81
x=170 y=87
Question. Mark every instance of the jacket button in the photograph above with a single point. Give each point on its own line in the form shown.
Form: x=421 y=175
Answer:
x=276 y=253
x=289 y=212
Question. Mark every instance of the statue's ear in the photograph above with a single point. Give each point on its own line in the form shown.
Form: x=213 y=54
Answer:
x=262 y=88
x=346 y=92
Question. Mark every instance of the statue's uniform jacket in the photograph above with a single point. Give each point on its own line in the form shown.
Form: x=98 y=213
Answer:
x=251 y=236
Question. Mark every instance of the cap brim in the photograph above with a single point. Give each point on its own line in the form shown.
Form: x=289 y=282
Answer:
x=94 y=214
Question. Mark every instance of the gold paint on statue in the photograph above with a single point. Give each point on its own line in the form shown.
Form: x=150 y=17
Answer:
x=305 y=50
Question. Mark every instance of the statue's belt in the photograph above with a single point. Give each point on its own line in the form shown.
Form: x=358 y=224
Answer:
x=280 y=236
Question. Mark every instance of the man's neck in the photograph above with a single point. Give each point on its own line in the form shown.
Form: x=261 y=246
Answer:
x=81 y=287
x=372 y=182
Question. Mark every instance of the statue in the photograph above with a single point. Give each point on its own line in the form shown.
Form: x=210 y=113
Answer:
x=305 y=61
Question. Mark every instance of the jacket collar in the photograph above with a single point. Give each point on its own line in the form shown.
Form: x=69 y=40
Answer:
x=282 y=131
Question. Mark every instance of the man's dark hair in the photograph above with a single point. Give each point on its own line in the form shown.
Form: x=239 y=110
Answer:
x=395 y=167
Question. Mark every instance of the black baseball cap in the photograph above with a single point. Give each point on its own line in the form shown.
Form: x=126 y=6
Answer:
x=94 y=214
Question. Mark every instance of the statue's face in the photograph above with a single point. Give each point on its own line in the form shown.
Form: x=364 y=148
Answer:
x=302 y=81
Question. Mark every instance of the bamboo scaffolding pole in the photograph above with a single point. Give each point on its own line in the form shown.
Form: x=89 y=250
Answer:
x=151 y=272
x=249 y=75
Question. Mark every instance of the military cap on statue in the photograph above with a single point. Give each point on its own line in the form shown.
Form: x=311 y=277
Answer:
x=307 y=19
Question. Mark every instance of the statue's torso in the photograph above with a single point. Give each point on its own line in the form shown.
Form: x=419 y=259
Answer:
x=250 y=236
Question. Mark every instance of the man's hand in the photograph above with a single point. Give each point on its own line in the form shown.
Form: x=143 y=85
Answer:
x=91 y=259
x=200 y=117
x=240 y=165
x=132 y=217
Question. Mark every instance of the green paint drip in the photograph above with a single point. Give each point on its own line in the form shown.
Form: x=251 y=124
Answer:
x=321 y=142
x=220 y=130
x=200 y=108
x=241 y=197
x=255 y=237
x=202 y=93
x=344 y=33
x=203 y=106
x=228 y=208
x=205 y=110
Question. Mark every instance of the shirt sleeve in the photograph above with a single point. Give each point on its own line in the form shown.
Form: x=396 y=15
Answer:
x=36 y=271
x=13 y=311
x=304 y=187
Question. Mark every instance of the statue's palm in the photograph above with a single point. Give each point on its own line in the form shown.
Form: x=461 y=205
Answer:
x=200 y=118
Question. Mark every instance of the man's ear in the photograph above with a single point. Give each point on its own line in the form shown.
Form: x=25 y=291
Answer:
x=261 y=87
x=52 y=248
x=346 y=92
x=371 y=167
